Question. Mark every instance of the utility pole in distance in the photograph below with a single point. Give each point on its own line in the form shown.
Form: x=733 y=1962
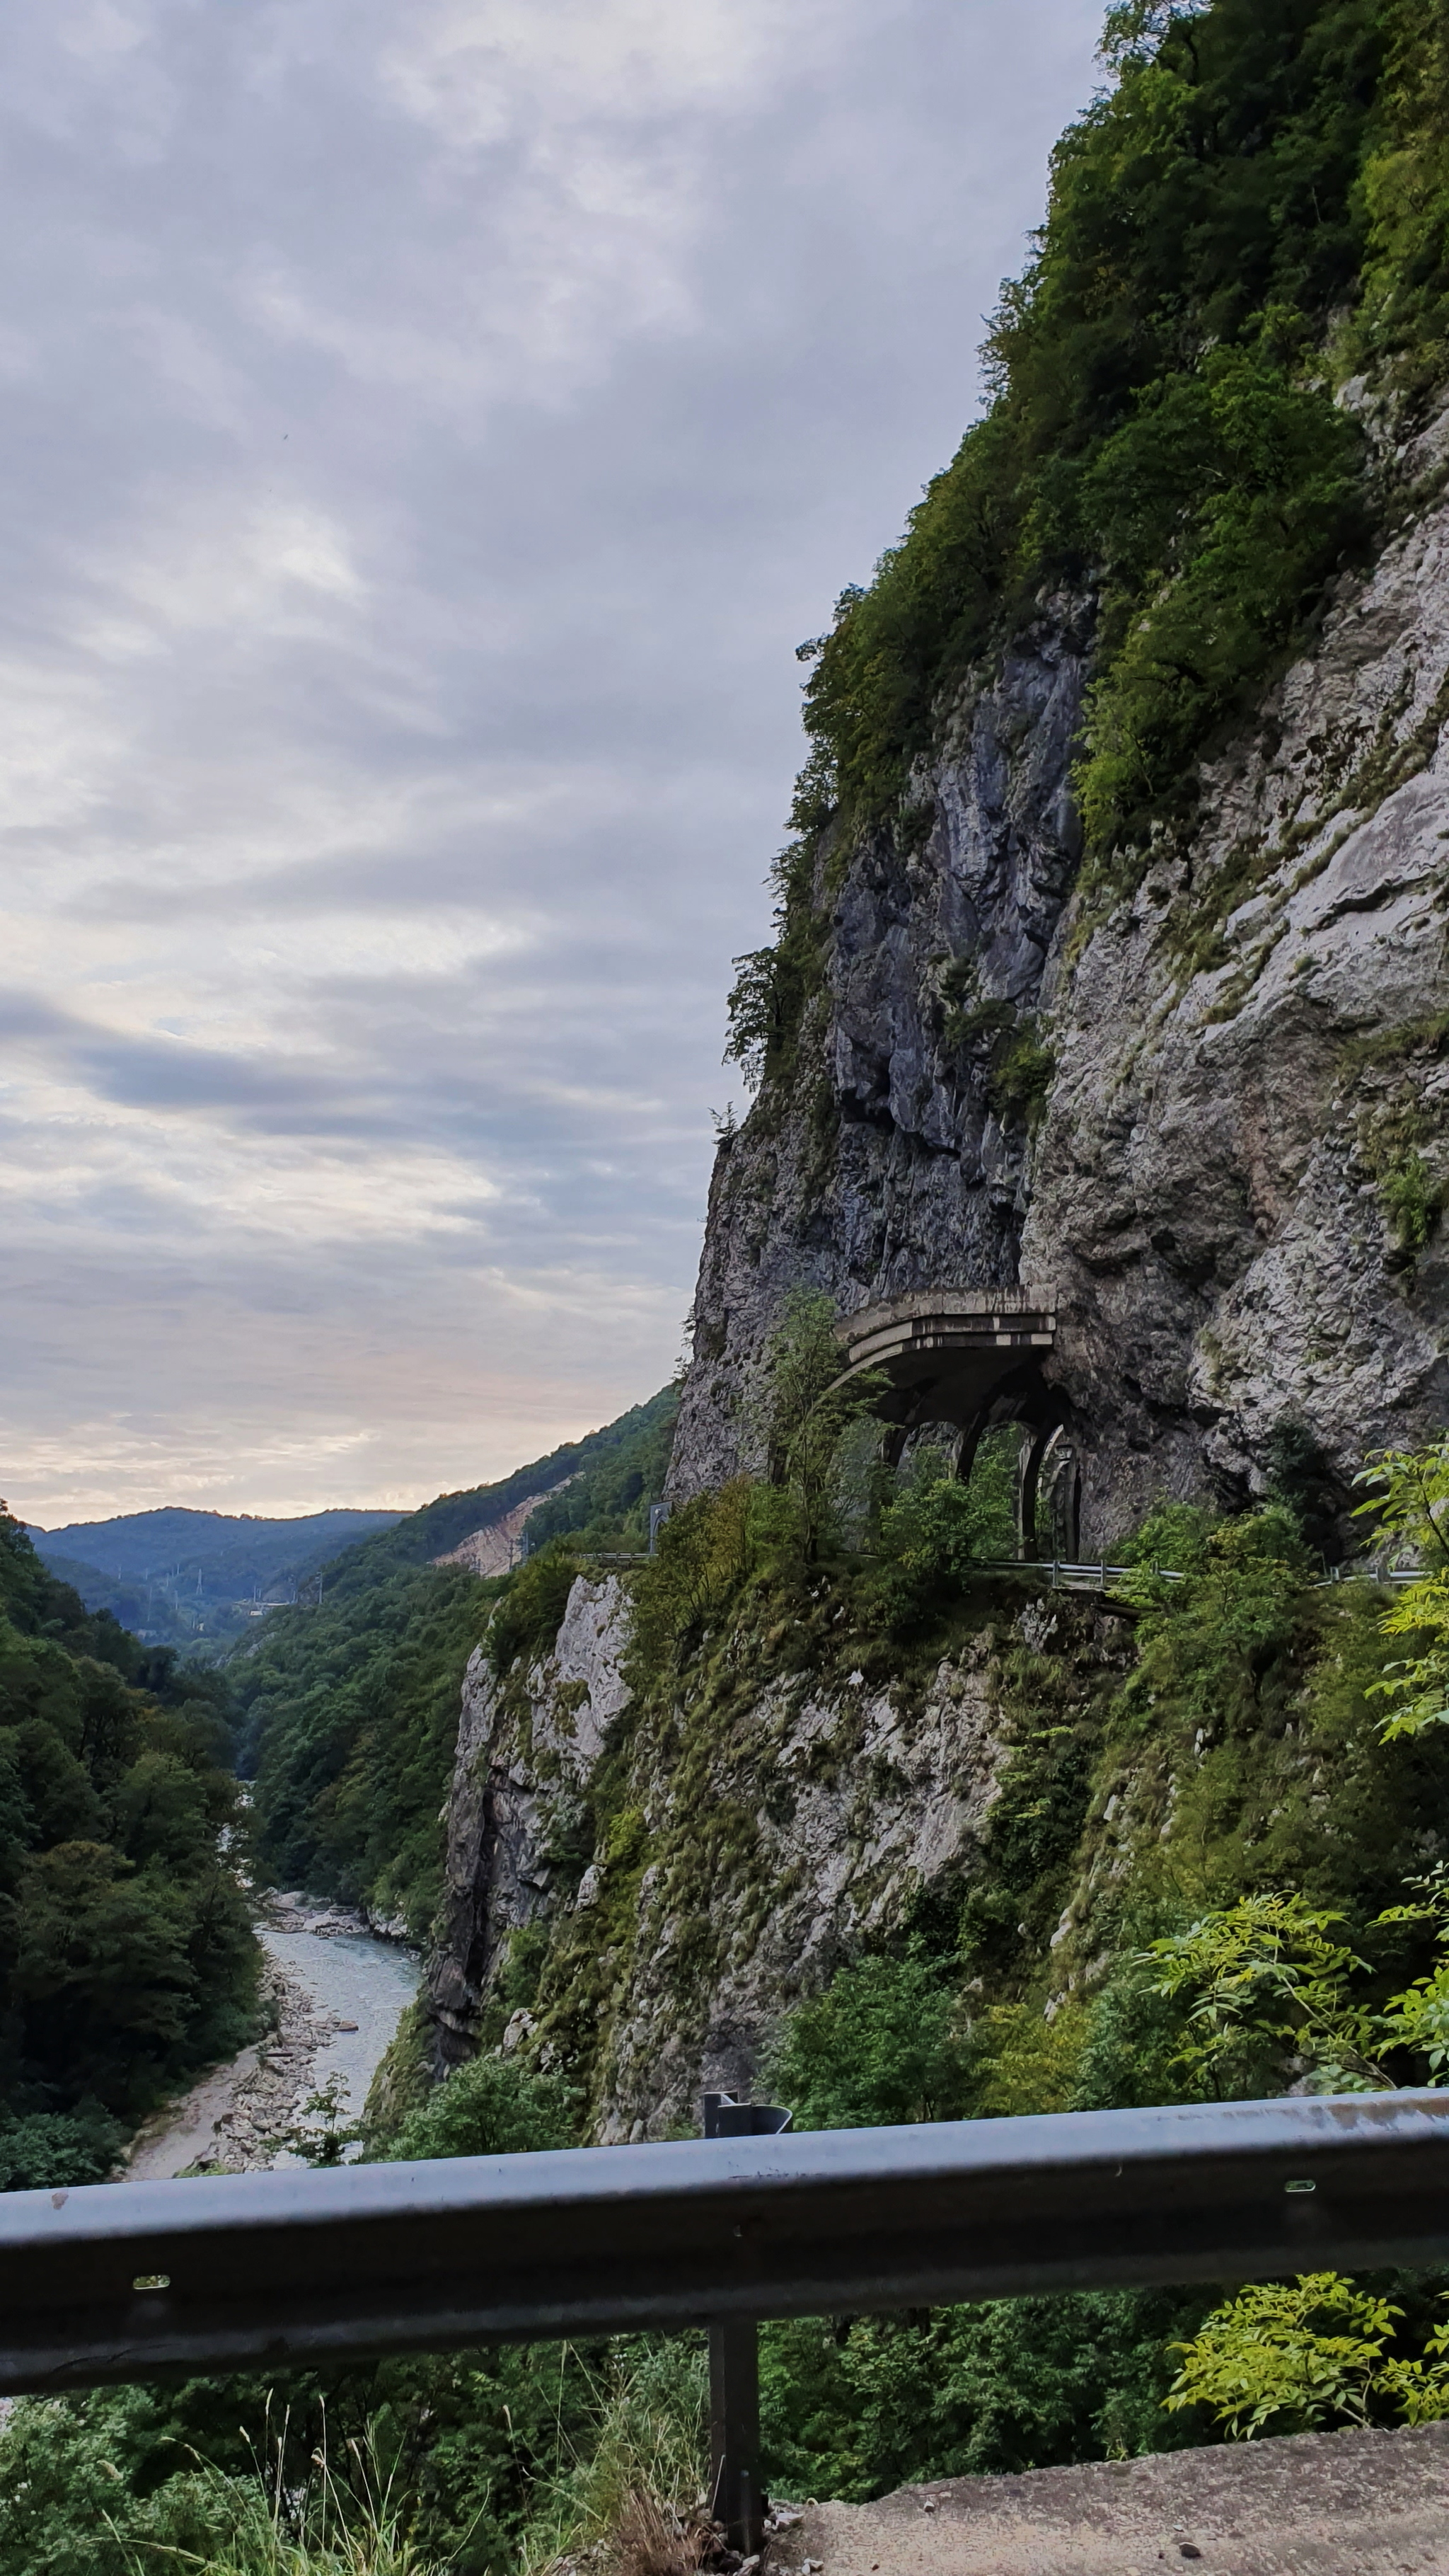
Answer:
x=735 y=2497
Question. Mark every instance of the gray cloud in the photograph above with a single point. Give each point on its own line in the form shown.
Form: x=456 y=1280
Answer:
x=431 y=430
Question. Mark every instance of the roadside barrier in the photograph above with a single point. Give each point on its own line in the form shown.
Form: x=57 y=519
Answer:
x=124 y=2281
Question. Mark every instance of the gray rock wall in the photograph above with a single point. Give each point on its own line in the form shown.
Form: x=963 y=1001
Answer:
x=768 y=1843
x=1247 y=1067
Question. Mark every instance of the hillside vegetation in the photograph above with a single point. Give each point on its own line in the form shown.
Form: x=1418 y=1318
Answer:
x=1221 y=1739
x=351 y=1703
x=126 y=1952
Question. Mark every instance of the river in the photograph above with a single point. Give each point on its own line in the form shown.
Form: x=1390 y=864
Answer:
x=337 y=1993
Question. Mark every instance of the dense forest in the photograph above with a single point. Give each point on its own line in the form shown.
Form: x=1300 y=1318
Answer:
x=127 y=1957
x=351 y=1702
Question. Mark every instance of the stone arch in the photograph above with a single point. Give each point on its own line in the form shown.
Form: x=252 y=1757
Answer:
x=969 y=1358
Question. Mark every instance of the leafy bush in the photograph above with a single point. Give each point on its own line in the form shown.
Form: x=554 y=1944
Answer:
x=1292 y=2358
x=1409 y=1499
x=493 y=2106
x=530 y=1613
x=56 y=2150
x=887 y=2042
x=705 y=1551
x=854 y=2407
x=1263 y=1982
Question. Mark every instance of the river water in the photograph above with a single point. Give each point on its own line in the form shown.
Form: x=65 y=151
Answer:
x=339 y=1994
x=351 y=1977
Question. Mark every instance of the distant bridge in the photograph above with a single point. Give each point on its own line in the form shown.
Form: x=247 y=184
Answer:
x=971 y=1358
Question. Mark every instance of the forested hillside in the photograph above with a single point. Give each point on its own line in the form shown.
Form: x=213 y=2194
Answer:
x=183 y=1575
x=351 y=1702
x=126 y=1951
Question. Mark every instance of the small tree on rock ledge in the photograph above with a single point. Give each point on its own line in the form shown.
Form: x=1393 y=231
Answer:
x=801 y=1406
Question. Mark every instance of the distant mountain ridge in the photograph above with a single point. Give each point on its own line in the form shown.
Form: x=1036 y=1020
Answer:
x=175 y=1574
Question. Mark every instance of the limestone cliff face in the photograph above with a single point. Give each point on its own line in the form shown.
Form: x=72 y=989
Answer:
x=515 y=1785
x=1232 y=1183
x=665 y=1883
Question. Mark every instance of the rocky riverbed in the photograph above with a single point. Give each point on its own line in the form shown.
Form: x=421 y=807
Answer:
x=335 y=1993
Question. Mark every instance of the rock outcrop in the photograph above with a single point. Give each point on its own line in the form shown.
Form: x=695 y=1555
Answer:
x=520 y=1773
x=1224 y=1141
x=739 y=1850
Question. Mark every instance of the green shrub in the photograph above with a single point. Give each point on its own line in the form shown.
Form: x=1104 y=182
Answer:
x=1295 y=2357
x=56 y=2150
x=887 y=2042
x=530 y=1613
x=854 y=2407
x=493 y=2106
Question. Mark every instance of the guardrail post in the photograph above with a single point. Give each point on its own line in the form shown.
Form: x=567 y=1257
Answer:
x=734 y=2435
x=736 y=2496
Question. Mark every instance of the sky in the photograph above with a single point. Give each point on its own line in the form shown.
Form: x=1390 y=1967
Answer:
x=431 y=426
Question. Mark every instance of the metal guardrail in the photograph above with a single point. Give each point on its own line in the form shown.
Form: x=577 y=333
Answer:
x=1097 y=1577
x=117 y=2281
x=264 y=2271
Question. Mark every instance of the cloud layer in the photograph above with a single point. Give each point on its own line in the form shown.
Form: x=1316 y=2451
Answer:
x=431 y=429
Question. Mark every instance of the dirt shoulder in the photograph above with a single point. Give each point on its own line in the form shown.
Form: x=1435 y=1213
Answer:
x=1320 y=2504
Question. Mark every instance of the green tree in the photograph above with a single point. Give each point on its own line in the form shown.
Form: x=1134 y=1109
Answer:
x=887 y=2042
x=103 y=1975
x=802 y=1405
x=126 y=1952
x=493 y=2106
x=936 y=1531
x=1409 y=1499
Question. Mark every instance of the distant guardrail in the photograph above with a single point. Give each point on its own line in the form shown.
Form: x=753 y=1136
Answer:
x=1101 y=1576
x=1098 y=1577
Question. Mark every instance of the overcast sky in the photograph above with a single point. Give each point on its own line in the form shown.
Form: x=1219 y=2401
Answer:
x=432 y=424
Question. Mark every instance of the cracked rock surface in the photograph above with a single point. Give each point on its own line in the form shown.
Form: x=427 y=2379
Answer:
x=776 y=1839
x=1249 y=1058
